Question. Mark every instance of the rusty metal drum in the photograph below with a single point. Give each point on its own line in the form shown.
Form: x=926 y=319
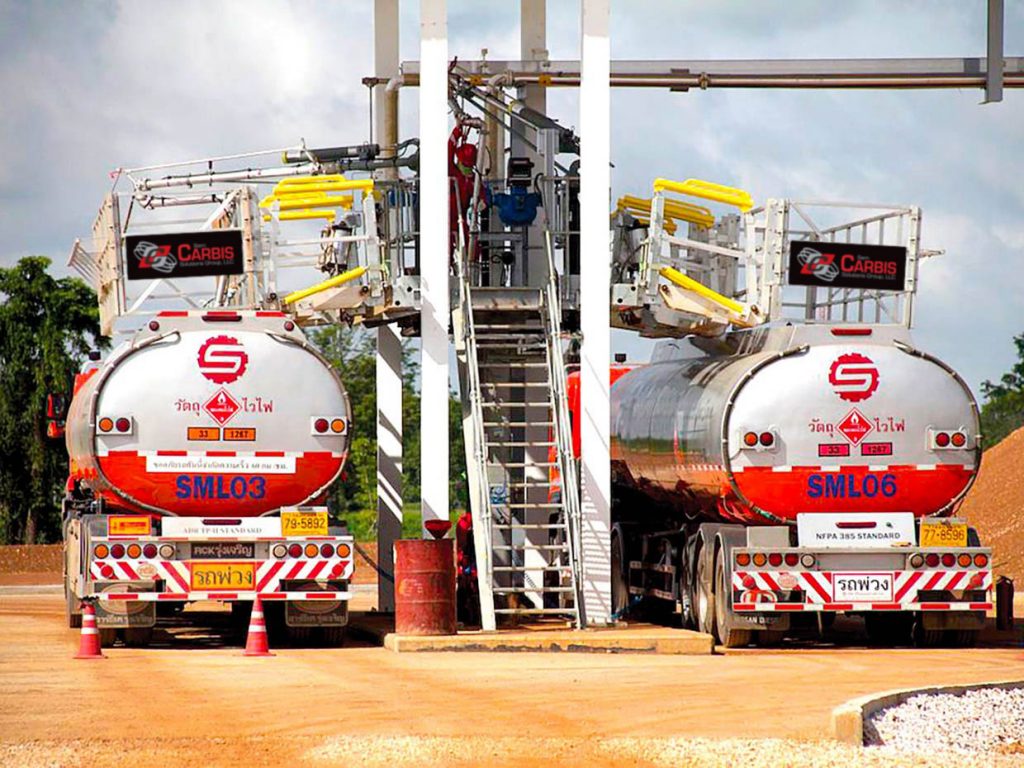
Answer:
x=425 y=587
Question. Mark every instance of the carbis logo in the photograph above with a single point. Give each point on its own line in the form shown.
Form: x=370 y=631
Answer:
x=155 y=257
x=222 y=359
x=854 y=377
x=820 y=265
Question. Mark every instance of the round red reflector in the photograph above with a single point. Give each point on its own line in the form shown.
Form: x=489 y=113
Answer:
x=101 y=551
x=289 y=325
x=321 y=425
x=107 y=570
x=123 y=424
x=117 y=551
x=792 y=558
x=767 y=439
x=337 y=570
x=981 y=560
x=948 y=559
x=154 y=325
x=775 y=559
x=959 y=439
x=743 y=558
x=750 y=439
x=931 y=560
x=326 y=550
x=106 y=424
x=942 y=439
x=295 y=550
x=149 y=550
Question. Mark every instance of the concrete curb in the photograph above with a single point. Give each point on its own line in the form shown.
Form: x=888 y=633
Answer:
x=668 y=642
x=848 y=718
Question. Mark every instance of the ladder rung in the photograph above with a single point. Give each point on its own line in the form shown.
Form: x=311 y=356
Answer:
x=521 y=464
x=512 y=365
x=545 y=547
x=531 y=384
x=527 y=590
x=527 y=485
x=518 y=424
x=530 y=327
x=528 y=403
x=518 y=445
x=532 y=505
x=528 y=568
x=529 y=526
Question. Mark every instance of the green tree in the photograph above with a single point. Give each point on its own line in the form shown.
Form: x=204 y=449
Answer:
x=1003 y=410
x=47 y=327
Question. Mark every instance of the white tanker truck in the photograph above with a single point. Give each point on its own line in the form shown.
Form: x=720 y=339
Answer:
x=793 y=473
x=197 y=451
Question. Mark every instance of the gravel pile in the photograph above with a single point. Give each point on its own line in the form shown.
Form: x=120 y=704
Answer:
x=983 y=720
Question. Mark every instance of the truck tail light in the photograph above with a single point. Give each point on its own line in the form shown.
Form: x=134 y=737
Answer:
x=312 y=550
x=149 y=551
x=326 y=550
x=807 y=561
x=760 y=559
x=980 y=560
x=322 y=425
x=116 y=425
x=948 y=559
x=100 y=551
x=775 y=559
x=134 y=551
x=743 y=559
x=964 y=560
x=117 y=551
x=916 y=561
x=767 y=439
x=279 y=551
x=750 y=439
x=943 y=439
x=792 y=558
x=343 y=550
x=295 y=550
x=167 y=551
x=931 y=560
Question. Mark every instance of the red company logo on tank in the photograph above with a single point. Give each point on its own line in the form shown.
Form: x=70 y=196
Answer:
x=184 y=254
x=854 y=377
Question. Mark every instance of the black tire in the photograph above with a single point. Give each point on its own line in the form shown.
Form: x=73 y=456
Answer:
x=620 y=578
x=72 y=608
x=769 y=638
x=728 y=636
x=705 y=597
x=333 y=637
x=962 y=638
x=928 y=638
x=138 y=637
x=108 y=636
x=889 y=629
x=299 y=637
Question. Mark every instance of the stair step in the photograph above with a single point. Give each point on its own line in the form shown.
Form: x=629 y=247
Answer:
x=532 y=505
x=521 y=464
x=544 y=484
x=544 y=547
x=528 y=526
x=522 y=404
x=490 y=444
x=512 y=365
x=527 y=590
x=518 y=384
x=550 y=611
x=528 y=568
x=519 y=424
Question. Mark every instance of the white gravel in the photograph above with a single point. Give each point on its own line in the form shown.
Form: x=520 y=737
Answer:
x=983 y=720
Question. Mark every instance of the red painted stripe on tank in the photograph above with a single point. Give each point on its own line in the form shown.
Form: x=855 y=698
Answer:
x=269 y=454
x=116 y=454
x=172 y=453
x=172 y=313
x=267 y=313
x=221 y=454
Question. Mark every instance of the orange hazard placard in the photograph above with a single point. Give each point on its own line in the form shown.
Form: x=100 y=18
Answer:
x=129 y=525
x=239 y=433
x=204 y=433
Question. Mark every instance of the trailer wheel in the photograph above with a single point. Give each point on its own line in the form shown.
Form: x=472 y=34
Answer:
x=727 y=635
x=620 y=579
x=705 y=602
x=962 y=638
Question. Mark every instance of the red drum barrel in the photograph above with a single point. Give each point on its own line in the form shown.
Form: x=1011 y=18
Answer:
x=425 y=587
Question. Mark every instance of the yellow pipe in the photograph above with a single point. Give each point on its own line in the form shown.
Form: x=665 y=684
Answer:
x=302 y=215
x=676 y=209
x=333 y=282
x=707 y=190
x=317 y=201
x=677 y=277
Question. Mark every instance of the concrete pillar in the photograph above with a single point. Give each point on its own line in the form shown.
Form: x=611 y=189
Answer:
x=389 y=345
x=595 y=181
x=433 y=200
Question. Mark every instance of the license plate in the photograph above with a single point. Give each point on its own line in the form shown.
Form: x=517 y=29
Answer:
x=217 y=576
x=303 y=523
x=943 y=534
x=862 y=587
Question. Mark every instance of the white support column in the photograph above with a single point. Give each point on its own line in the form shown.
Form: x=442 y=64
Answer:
x=433 y=197
x=389 y=345
x=595 y=181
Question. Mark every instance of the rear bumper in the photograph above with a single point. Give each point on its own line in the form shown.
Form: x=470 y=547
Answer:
x=161 y=597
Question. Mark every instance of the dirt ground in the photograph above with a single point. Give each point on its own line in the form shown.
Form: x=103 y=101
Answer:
x=194 y=700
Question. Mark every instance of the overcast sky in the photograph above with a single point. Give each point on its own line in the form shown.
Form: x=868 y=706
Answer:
x=87 y=87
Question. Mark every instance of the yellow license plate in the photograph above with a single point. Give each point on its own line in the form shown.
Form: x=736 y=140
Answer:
x=303 y=523
x=943 y=534
x=207 y=577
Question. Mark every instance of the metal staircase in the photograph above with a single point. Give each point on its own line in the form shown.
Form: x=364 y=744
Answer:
x=522 y=475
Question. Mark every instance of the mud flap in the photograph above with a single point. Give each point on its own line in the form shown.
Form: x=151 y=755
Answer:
x=972 y=620
x=316 y=613
x=123 y=614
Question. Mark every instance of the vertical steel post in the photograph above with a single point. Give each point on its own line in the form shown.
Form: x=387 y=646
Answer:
x=994 y=56
x=595 y=181
x=433 y=201
x=389 y=346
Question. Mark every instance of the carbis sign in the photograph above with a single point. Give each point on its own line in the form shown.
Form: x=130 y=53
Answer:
x=184 y=254
x=847 y=265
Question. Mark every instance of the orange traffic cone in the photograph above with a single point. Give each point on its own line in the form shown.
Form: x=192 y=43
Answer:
x=89 y=646
x=256 y=642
